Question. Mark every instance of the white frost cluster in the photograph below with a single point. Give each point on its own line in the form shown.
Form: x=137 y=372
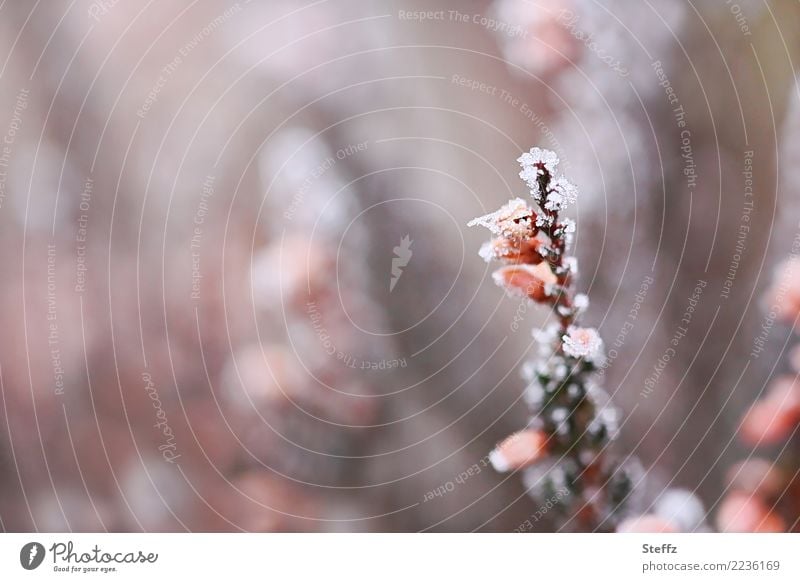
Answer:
x=564 y=192
x=486 y=252
x=536 y=156
x=510 y=220
x=581 y=302
x=534 y=164
x=546 y=335
x=583 y=342
x=499 y=462
x=531 y=170
x=681 y=508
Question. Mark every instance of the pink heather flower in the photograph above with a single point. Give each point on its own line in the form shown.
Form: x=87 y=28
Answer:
x=646 y=524
x=784 y=294
x=563 y=193
x=532 y=281
x=512 y=250
x=540 y=41
x=515 y=219
x=742 y=512
x=518 y=451
x=583 y=342
x=757 y=477
x=773 y=419
x=262 y=376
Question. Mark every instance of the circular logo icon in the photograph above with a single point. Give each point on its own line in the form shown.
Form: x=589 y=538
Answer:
x=31 y=555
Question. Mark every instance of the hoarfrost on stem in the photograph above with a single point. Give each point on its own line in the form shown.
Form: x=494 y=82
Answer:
x=565 y=444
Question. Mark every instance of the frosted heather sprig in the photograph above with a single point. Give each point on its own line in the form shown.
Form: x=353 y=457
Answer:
x=564 y=448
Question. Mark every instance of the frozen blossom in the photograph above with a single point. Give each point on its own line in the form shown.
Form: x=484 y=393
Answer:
x=583 y=342
x=513 y=250
x=566 y=408
x=512 y=220
x=519 y=450
x=533 y=281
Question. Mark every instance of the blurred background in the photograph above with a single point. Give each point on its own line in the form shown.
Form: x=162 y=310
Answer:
x=238 y=288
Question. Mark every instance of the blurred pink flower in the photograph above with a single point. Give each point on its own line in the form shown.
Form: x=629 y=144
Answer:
x=524 y=251
x=758 y=477
x=541 y=40
x=532 y=281
x=783 y=296
x=773 y=418
x=742 y=512
x=520 y=450
x=646 y=524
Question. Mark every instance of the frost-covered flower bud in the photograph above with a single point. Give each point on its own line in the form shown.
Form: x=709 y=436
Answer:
x=532 y=281
x=519 y=450
x=583 y=342
x=514 y=220
x=519 y=251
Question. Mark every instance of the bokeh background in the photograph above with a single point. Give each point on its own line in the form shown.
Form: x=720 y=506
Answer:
x=201 y=202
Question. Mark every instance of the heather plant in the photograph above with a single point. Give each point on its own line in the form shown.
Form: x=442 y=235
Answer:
x=564 y=450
